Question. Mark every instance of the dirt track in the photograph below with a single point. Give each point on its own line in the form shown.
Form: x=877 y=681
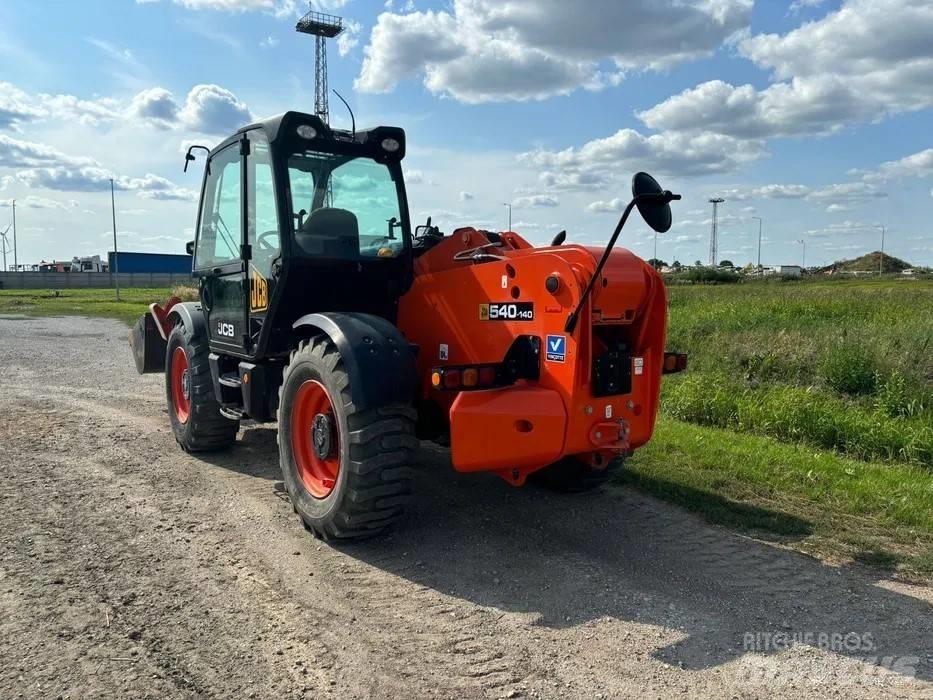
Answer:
x=128 y=568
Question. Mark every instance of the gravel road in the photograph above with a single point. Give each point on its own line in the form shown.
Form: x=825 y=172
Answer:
x=131 y=569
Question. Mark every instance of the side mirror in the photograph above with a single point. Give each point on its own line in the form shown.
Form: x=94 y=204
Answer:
x=189 y=156
x=189 y=247
x=653 y=202
x=559 y=238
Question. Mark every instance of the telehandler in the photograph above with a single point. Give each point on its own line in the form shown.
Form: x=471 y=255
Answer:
x=321 y=309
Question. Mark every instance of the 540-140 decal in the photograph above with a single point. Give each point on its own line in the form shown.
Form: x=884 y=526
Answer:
x=507 y=311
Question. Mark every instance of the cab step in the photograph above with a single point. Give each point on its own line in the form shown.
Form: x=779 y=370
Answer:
x=232 y=412
x=232 y=380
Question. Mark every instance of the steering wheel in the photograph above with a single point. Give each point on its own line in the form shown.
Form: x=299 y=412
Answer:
x=263 y=243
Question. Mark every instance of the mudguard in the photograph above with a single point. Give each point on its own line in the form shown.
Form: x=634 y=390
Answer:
x=190 y=314
x=378 y=358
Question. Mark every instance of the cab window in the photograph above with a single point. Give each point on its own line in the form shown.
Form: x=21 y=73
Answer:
x=222 y=212
x=262 y=224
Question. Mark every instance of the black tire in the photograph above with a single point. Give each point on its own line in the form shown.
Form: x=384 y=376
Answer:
x=204 y=429
x=375 y=447
x=573 y=475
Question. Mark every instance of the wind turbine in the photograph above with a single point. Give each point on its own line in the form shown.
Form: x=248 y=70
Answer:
x=4 y=245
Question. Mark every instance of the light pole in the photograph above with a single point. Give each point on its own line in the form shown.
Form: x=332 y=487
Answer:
x=714 y=233
x=803 y=263
x=509 y=205
x=116 y=267
x=881 y=261
x=759 y=242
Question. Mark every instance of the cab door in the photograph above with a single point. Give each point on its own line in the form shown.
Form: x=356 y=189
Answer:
x=262 y=235
x=219 y=254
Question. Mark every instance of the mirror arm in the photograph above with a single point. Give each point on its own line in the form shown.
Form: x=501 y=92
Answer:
x=575 y=314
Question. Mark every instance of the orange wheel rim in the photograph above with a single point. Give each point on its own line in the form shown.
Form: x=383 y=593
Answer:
x=315 y=439
x=181 y=385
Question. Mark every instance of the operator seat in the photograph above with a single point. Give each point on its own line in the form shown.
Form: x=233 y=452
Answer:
x=329 y=233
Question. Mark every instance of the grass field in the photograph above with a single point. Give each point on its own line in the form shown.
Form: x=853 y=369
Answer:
x=806 y=415
x=89 y=302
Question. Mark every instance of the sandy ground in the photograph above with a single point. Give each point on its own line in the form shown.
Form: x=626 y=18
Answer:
x=130 y=569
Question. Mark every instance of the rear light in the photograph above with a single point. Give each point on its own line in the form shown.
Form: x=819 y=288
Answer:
x=466 y=377
x=674 y=362
x=487 y=376
x=470 y=377
x=452 y=379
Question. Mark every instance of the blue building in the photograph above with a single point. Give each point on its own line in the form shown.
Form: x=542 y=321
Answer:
x=149 y=262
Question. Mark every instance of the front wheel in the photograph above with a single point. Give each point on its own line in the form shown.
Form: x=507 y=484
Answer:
x=192 y=406
x=346 y=470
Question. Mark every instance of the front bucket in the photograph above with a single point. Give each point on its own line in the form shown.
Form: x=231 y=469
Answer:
x=148 y=345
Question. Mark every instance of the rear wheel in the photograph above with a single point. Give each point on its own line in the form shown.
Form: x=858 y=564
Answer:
x=347 y=471
x=573 y=475
x=192 y=406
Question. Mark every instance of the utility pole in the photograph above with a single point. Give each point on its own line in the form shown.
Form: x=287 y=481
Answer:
x=116 y=267
x=803 y=263
x=759 y=242
x=15 y=258
x=507 y=204
x=881 y=261
x=715 y=201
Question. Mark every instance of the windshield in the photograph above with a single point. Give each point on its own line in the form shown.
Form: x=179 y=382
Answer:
x=344 y=207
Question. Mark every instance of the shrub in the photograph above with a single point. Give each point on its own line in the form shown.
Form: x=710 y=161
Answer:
x=185 y=293
x=707 y=399
x=849 y=369
x=897 y=398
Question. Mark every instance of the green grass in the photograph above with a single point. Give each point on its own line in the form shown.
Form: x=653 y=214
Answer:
x=87 y=302
x=843 y=364
x=806 y=415
x=814 y=500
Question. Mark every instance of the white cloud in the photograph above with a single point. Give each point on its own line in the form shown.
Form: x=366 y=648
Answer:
x=414 y=177
x=211 y=109
x=156 y=105
x=918 y=164
x=866 y=61
x=33 y=202
x=270 y=42
x=665 y=153
x=349 y=37
x=16 y=107
x=614 y=205
x=835 y=196
x=45 y=167
x=208 y=109
x=798 y=5
x=466 y=196
x=485 y=50
x=536 y=200
x=16 y=153
x=846 y=193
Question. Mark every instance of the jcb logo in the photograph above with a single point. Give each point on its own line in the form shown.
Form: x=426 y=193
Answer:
x=258 y=291
x=225 y=329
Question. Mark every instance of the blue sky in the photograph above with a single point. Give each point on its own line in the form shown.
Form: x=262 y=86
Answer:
x=814 y=115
